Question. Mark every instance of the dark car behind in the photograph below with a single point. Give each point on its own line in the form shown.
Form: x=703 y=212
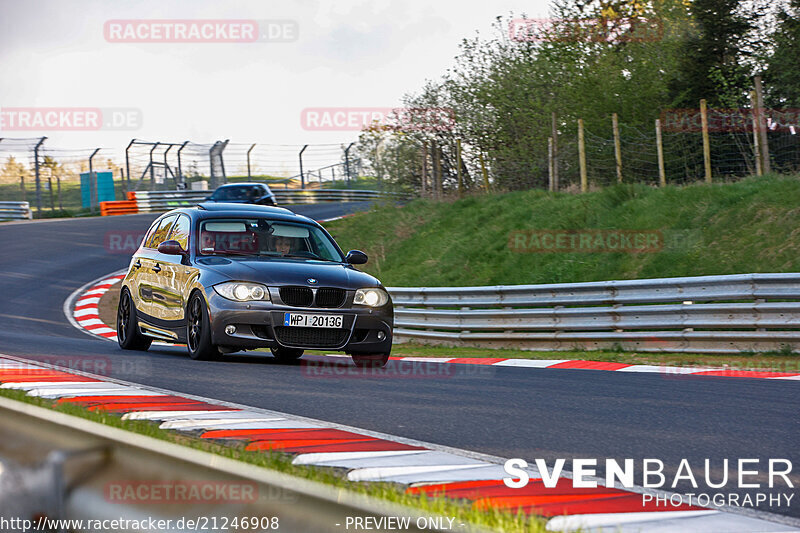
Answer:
x=244 y=193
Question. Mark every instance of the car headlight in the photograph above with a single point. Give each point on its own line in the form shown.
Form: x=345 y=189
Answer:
x=240 y=291
x=371 y=297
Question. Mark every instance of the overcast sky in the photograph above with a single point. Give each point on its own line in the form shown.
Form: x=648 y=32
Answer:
x=348 y=53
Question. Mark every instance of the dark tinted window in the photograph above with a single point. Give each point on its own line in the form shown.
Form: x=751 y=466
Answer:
x=239 y=193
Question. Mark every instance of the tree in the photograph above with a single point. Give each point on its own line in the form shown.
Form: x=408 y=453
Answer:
x=783 y=74
x=716 y=58
x=12 y=170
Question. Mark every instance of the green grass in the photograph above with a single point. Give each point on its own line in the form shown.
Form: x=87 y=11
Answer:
x=492 y=519
x=749 y=226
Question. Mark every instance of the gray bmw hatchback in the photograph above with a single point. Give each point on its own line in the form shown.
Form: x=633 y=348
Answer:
x=228 y=277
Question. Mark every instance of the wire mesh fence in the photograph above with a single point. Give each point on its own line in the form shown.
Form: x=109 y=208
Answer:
x=632 y=156
x=56 y=180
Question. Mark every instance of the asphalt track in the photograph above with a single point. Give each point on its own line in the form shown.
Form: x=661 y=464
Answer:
x=503 y=411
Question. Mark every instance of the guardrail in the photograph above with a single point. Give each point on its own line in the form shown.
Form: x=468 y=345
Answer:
x=712 y=314
x=82 y=460
x=157 y=201
x=15 y=211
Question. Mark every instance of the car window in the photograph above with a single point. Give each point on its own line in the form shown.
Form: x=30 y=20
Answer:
x=180 y=231
x=150 y=232
x=266 y=238
x=240 y=193
x=160 y=235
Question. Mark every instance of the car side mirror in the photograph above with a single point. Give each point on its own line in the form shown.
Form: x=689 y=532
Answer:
x=356 y=257
x=171 y=248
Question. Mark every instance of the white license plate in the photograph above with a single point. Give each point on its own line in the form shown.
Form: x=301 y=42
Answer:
x=303 y=320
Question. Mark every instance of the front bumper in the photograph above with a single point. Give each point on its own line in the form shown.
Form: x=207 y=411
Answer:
x=260 y=325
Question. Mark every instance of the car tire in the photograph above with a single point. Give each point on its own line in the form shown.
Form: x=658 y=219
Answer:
x=371 y=360
x=198 y=330
x=286 y=355
x=128 y=335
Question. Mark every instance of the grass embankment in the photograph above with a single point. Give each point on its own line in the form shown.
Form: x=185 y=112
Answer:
x=462 y=511
x=748 y=226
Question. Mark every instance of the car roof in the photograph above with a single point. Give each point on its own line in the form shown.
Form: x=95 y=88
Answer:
x=242 y=184
x=223 y=209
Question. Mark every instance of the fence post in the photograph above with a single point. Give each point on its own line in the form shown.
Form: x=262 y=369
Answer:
x=36 y=168
x=706 y=140
x=180 y=167
x=766 y=166
x=617 y=146
x=756 y=135
x=424 y=178
x=122 y=183
x=58 y=179
x=128 y=161
x=582 y=156
x=22 y=188
x=550 y=165
x=50 y=189
x=93 y=192
x=483 y=171
x=302 y=176
x=347 y=163
x=248 y=160
x=662 y=173
x=458 y=168
x=554 y=157
x=437 y=171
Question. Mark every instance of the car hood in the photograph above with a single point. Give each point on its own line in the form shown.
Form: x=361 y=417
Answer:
x=287 y=272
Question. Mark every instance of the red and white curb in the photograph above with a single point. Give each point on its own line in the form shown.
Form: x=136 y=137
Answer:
x=364 y=456
x=577 y=364
x=83 y=314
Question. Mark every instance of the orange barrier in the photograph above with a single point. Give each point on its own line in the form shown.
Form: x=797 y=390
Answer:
x=131 y=195
x=124 y=207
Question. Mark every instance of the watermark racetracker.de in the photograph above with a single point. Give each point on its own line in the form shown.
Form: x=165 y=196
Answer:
x=585 y=241
x=731 y=120
x=70 y=118
x=587 y=30
x=92 y=364
x=341 y=368
x=124 y=242
x=358 y=118
x=200 y=31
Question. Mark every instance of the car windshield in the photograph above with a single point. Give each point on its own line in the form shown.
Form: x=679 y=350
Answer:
x=240 y=193
x=262 y=237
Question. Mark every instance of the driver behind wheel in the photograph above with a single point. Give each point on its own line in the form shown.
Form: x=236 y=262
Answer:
x=284 y=245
